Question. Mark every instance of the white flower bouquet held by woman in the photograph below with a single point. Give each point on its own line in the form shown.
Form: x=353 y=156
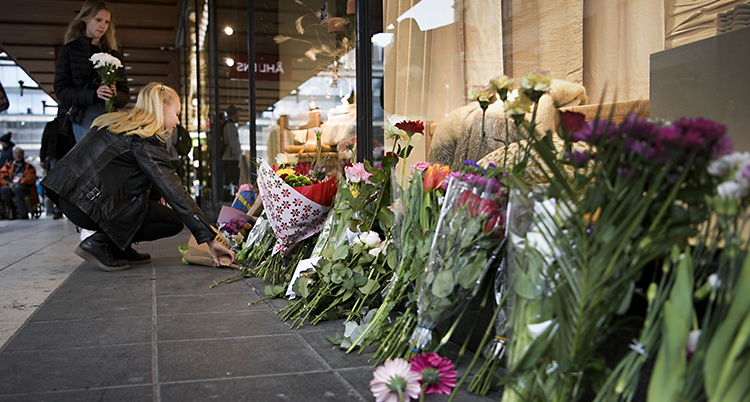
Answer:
x=106 y=67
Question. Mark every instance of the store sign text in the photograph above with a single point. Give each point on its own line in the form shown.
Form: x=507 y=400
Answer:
x=267 y=68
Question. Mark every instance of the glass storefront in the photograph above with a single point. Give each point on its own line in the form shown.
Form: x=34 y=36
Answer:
x=425 y=55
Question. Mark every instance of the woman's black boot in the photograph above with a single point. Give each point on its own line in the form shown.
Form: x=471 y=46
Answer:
x=99 y=248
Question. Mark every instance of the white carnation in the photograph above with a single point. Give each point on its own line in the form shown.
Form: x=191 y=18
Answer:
x=105 y=60
x=732 y=189
x=723 y=166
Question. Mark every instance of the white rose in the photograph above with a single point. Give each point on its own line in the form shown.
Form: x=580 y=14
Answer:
x=371 y=239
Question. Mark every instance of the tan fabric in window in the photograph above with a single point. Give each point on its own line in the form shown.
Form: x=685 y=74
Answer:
x=427 y=73
x=546 y=34
x=619 y=38
x=688 y=21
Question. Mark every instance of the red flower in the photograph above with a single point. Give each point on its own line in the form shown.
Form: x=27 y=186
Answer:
x=302 y=169
x=411 y=126
x=471 y=201
x=438 y=374
x=572 y=122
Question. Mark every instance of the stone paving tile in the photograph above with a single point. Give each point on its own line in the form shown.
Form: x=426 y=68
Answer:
x=193 y=279
x=218 y=325
x=207 y=303
x=89 y=283
x=312 y=387
x=114 y=394
x=335 y=357
x=56 y=310
x=51 y=335
x=73 y=369
x=227 y=358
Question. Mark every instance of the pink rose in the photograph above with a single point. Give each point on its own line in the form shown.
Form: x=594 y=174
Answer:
x=357 y=173
x=419 y=167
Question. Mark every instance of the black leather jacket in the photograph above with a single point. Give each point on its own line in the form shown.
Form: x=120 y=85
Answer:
x=109 y=176
x=76 y=81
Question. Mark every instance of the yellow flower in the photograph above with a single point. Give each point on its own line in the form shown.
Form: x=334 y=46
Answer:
x=502 y=85
x=536 y=80
x=481 y=93
x=282 y=172
x=518 y=106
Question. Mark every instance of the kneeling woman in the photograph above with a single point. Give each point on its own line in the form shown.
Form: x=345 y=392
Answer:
x=103 y=184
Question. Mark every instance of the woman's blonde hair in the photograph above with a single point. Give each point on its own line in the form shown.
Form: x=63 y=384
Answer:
x=77 y=27
x=146 y=119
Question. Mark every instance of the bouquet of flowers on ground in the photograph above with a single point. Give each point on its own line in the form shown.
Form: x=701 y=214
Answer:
x=349 y=273
x=235 y=231
x=106 y=67
x=467 y=240
x=699 y=311
x=578 y=244
x=416 y=212
x=296 y=203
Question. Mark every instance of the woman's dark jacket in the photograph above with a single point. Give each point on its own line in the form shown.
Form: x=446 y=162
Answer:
x=109 y=176
x=76 y=81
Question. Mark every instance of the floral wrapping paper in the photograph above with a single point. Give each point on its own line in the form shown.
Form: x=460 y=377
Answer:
x=293 y=217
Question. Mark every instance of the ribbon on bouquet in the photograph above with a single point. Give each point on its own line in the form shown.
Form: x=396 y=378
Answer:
x=292 y=216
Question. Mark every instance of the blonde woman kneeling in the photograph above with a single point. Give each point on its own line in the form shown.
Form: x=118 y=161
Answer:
x=103 y=184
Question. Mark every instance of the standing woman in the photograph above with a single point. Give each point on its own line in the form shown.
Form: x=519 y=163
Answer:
x=77 y=89
x=103 y=184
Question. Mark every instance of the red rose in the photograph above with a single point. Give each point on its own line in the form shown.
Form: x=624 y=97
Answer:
x=572 y=122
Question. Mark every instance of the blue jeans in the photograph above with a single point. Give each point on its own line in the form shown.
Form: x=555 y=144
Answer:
x=92 y=112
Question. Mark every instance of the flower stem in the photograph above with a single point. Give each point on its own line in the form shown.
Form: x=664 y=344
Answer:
x=484 y=134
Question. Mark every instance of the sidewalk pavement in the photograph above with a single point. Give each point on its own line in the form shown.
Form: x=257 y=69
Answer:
x=157 y=332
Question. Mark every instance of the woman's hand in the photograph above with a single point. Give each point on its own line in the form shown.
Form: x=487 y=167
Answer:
x=105 y=92
x=217 y=249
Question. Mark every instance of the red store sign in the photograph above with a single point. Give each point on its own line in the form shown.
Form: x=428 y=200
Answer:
x=267 y=68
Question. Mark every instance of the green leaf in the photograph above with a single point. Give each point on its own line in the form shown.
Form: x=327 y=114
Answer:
x=524 y=286
x=300 y=287
x=443 y=285
x=670 y=368
x=722 y=364
x=341 y=253
x=392 y=257
x=537 y=348
x=386 y=218
x=626 y=299
x=271 y=290
x=347 y=295
x=359 y=280
x=469 y=275
x=369 y=287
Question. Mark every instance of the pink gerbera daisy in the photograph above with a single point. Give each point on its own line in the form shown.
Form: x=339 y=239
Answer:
x=437 y=373
x=395 y=381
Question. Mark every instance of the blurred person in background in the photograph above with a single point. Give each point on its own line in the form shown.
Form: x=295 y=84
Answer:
x=18 y=179
x=7 y=148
